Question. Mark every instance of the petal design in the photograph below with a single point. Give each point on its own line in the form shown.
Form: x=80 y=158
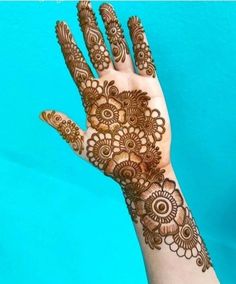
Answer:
x=178 y=197
x=149 y=223
x=169 y=186
x=168 y=228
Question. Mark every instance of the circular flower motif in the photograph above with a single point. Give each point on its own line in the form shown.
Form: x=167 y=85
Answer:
x=100 y=149
x=114 y=32
x=91 y=91
x=186 y=242
x=161 y=208
x=153 y=125
x=100 y=56
x=143 y=55
x=130 y=139
x=124 y=167
x=71 y=133
x=106 y=114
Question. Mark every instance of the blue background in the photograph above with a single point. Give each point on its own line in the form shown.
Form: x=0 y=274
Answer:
x=61 y=220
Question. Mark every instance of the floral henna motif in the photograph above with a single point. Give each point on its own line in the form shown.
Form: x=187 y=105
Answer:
x=99 y=149
x=161 y=207
x=123 y=144
x=153 y=125
x=188 y=243
x=93 y=37
x=130 y=140
x=125 y=147
x=142 y=53
x=68 y=129
x=114 y=33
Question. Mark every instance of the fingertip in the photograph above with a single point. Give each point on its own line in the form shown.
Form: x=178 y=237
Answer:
x=133 y=20
x=43 y=115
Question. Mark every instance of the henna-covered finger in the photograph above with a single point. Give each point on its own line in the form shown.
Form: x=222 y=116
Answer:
x=68 y=129
x=79 y=69
x=142 y=52
x=119 y=47
x=93 y=37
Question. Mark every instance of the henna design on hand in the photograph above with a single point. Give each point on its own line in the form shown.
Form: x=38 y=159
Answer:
x=124 y=134
x=93 y=37
x=126 y=150
x=114 y=33
x=67 y=129
x=142 y=52
x=79 y=69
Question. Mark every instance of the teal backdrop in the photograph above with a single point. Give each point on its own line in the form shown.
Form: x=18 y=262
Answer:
x=61 y=220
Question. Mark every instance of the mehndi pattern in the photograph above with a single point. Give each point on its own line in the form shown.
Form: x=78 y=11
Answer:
x=125 y=133
x=114 y=33
x=142 y=52
x=124 y=147
x=93 y=37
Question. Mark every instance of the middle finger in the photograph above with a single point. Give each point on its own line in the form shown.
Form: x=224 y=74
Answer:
x=98 y=52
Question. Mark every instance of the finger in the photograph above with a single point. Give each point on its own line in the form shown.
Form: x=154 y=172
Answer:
x=79 y=69
x=98 y=52
x=142 y=52
x=67 y=129
x=116 y=38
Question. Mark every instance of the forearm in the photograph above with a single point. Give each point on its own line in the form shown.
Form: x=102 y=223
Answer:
x=173 y=249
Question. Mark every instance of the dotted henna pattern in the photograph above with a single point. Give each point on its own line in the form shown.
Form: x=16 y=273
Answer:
x=114 y=33
x=142 y=52
x=93 y=37
x=68 y=129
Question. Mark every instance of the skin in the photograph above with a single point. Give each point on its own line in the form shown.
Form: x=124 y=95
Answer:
x=167 y=259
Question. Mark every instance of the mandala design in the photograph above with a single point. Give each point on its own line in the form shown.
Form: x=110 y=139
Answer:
x=130 y=140
x=142 y=52
x=106 y=114
x=114 y=33
x=161 y=208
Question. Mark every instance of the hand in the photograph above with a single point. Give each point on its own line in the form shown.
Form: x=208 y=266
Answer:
x=128 y=134
x=128 y=130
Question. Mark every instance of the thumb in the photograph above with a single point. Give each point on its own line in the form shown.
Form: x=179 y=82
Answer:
x=68 y=129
